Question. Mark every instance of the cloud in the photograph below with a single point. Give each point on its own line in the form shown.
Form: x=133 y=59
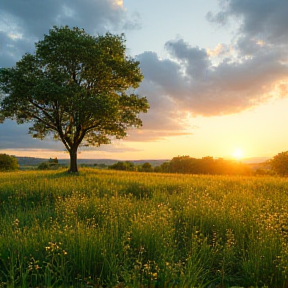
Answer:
x=265 y=19
x=195 y=60
x=34 y=17
x=154 y=135
x=14 y=137
x=192 y=80
x=220 y=50
x=230 y=78
x=189 y=81
x=24 y=23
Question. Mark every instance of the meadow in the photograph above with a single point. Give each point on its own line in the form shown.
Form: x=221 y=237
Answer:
x=104 y=228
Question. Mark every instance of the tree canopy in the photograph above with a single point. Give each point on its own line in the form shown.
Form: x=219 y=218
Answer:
x=8 y=163
x=279 y=163
x=206 y=165
x=124 y=166
x=77 y=87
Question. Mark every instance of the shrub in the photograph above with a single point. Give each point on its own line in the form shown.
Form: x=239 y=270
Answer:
x=123 y=166
x=44 y=166
x=279 y=163
x=146 y=167
x=8 y=163
x=52 y=164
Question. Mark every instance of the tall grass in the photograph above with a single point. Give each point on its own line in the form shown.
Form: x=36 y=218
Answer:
x=126 y=229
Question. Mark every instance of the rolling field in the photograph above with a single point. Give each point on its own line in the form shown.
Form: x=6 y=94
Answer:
x=126 y=229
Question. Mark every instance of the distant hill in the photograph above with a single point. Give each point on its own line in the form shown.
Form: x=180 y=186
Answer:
x=31 y=161
x=255 y=160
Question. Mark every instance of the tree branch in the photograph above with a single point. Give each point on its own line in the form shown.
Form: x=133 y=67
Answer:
x=42 y=109
x=43 y=121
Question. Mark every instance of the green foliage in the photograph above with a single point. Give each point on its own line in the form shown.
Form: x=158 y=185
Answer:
x=146 y=167
x=279 y=163
x=44 y=166
x=47 y=166
x=75 y=86
x=124 y=229
x=165 y=167
x=123 y=166
x=206 y=165
x=53 y=161
x=8 y=163
x=51 y=164
x=157 y=169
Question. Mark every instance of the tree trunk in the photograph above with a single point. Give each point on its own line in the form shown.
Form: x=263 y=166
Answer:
x=73 y=160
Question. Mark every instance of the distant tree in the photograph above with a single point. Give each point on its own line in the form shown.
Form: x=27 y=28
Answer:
x=44 y=166
x=76 y=87
x=53 y=161
x=279 y=163
x=207 y=165
x=165 y=167
x=124 y=166
x=146 y=167
x=264 y=172
x=8 y=163
x=157 y=169
x=51 y=164
x=184 y=164
x=100 y=166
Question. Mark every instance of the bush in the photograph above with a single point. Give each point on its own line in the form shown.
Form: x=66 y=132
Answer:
x=44 y=166
x=146 y=167
x=52 y=164
x=157 y=169
x=279 y=163
x=207 y=165
x=8 y=163
x=123 y=166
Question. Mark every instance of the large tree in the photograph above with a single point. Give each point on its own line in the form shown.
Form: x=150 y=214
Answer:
x=76 y=86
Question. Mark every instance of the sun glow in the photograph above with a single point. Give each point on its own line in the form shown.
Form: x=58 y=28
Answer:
x=238 y=154
x=117 y=3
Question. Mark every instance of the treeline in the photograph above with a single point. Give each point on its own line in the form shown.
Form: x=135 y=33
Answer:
x=130 y=166
x=189 y=165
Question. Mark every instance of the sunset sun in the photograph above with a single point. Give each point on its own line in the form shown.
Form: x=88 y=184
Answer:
x=238 y=154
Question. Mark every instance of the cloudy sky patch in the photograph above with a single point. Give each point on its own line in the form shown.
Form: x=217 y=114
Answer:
x=185 y=78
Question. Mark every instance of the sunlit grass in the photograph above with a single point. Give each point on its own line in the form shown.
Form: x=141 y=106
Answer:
x=107 y=228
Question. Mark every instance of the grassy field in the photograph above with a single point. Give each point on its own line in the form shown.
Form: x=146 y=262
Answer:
x=126 y=229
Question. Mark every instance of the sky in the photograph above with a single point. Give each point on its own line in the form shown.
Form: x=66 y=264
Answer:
x=215 y=73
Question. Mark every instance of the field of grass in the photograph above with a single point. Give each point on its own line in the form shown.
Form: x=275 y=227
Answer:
x=126 y=229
